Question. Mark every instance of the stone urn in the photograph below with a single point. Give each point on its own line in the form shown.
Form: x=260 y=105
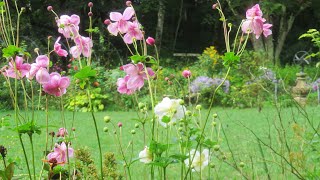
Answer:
x=301 y=90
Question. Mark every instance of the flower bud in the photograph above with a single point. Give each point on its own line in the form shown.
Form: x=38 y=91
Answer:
x=214 y=6
x=107 y=22
x=214 y=123
x=90 y=4
x=166 y=79
x=216 y=147
x=150 y=41
x=23 y=9
x=114 y=132
x=119 y=124
x=241 y=164
x=186 y=73
x=128 y=3
x=136 y=125
x=181 y=102
x=105 y=129
x=141 y=105
x=73 y=129
x=215 y=115
x=212 y=165
x=36 y=50
x=180 y=129
x=170 y=82
x=229 y=25
x=198 y=107
x=49 y=8
x=133 y=131
x=90 y=14
x=188 y=113
x=107 y=119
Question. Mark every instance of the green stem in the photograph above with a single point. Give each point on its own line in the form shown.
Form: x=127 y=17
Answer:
x=97 y=133
x=25 y=156
x=32 y=151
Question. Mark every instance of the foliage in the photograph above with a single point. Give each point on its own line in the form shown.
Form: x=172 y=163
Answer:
x=314 y=37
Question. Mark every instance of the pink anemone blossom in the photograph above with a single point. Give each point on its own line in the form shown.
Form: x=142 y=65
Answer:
x=83 y=46
x=57 y=85
x=133 y=32
x=58 y=49
x=134 y=80
x=62 y=132
x=255 y=22
x=186 y=73
x=22 y=68
x=39 y=69
x=59 y=154
x=68 y=25
x=121 y=21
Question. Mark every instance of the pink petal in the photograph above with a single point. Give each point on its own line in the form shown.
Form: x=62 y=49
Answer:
x=130 y=69
x=135 y=82
x=128 y=13
x=42 y=76
x=75 y=51
x=18 y=61
x=115 y=16
x=64 y=82
x=42 y=61
x=246 y=26
x=113 y=28
x=123 y=26
x=127 y=39
x=75 y=19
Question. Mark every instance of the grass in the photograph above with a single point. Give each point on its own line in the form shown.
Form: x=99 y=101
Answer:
x=242 y=143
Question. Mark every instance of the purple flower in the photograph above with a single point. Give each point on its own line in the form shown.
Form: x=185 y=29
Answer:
x=204 y=82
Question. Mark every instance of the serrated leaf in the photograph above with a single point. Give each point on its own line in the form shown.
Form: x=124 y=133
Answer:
x=11 y=51
x=137 y=58
x=230 y=59
x=92 y=30
x=85 y=72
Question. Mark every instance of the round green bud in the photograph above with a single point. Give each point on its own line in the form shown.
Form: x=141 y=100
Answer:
x=214 y=123
x=136 y=125
x=145 y=109
x=212 y=165
x=105 y=129
x=188 y=113
x=133 y=131
x=216 y=147
x=198 y=107
x=241 y=164
x=224 y=157
x=107 y=119
x=229 y=25
x=114 y=132
x=215 y=115
x=174 y=111
x=180 y=129
x=181 y=102
x=174 y=123
x=141 y=105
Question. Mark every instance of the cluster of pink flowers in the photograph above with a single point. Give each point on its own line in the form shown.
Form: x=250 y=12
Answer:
x=68 y=26
x=122 y=24
x=255 y=23
x=52 y=84
x=134 y=79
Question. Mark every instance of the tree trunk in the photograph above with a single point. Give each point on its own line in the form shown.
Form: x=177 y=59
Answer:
x=159 y=30
x=178 y=26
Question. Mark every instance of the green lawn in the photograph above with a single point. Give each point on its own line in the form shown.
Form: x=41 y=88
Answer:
x=242 y=143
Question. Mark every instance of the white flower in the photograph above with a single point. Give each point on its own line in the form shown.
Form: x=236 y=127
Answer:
x=200 y=161
x=145 y=155
x=170 y=108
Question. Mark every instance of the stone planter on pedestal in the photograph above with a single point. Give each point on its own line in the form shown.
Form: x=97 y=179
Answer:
x=301 y=90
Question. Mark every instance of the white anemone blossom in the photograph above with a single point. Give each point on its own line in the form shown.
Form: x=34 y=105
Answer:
x=145 y=155
x=170 y=108
x=200 y=161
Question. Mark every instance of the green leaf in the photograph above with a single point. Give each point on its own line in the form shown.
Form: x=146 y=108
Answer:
x=158 y=148
x=28 y=128
x=10 y=171
x=180 y=157
x=137 y=58
x=3 y=175
x=85 y=72
x=11 y=51
x=93 y=30
x=230 y=59
x=209 y=143
x=166 y=119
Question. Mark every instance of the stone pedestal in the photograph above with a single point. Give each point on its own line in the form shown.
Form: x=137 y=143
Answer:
x=301 y=90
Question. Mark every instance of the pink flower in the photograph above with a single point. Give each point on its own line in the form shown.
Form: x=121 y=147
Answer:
x=186 y=73
x=68 y=25
x=134 y=32
x=122 y=85
x=59 y=154
x=22 y=68
x=39 y=69
x=83 y=45
x=266 y=29
x=58 y=49
x=42 y=76
x=121 y=23
x=119 y=124
x=57 y=85
x=255 y=23
x=62 y=132
x=150 y=41
x=134 y=80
